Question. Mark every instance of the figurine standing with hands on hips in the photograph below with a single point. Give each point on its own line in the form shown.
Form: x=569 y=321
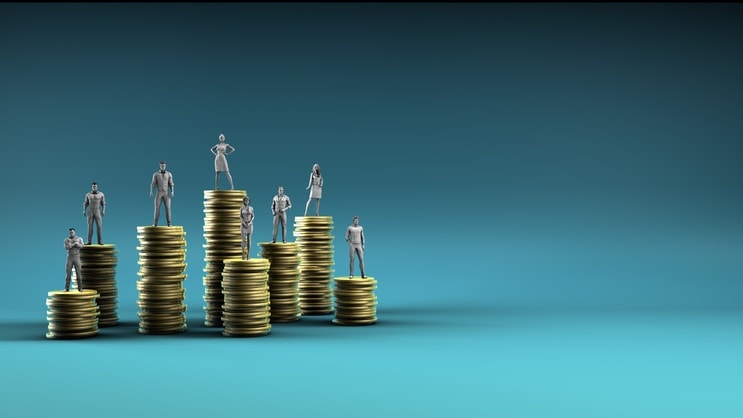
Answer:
x=316 y=192
x=221 y=151
x=357 y=244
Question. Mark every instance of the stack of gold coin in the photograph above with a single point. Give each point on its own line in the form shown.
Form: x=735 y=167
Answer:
x=162 y=260
x=283 y=280
x=98 y=263
x=72 y=314
x=247 y=305
x=355 y=302
x=223 y=241
x=315 y=239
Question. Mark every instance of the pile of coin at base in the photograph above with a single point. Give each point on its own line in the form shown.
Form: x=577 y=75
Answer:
x=315 y=239
x=247 y=306
x=98 y=263
x=72 y=314
x=223 y=241
x=162 y=260
x=355 y=302
x=283 y=280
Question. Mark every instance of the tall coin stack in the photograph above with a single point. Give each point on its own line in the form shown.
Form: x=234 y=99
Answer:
x=223 y=241
x=355 y=302
x=283 y=280
x=315 y=239
x=72 y=314
x=162 y=260
x=98 y=262
x=247 y=305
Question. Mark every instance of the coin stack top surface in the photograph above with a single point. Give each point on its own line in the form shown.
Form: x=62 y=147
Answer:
x=99 y=264
x=355 y=301
x=314 y=235
x=247 y=305
x=72 y=314
x=162 y=260
x=283 y=280
x=223 y=241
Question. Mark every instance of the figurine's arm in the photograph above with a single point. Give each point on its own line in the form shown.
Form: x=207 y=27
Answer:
x=288 y=204
x=171 y=184
x=230 y=149
x=67 y=243
x=348 y=235
x=78 y=243
x=320 y=181
x=214 y=150
x=250 y=216
x=154 y=183
x=103 y=204
x=85 y=203
x=273 y=207
x=363 y=241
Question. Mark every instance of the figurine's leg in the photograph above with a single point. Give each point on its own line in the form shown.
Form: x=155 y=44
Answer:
x=167 y=208
x=90 y=227
x=98 y=221
x=283 y=227
x=158 y=198
x=247 y=253
x=353 y=254
x=275 y=227
x=78 y=274
x=317 y=207
x=361 y=262
x=68 y=269
x=307 y=206
x=229 y=177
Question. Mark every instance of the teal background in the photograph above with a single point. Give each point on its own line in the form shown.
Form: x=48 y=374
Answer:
x=550 y=192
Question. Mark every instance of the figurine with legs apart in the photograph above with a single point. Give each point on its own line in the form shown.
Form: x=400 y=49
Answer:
x=279 y=206
x=73 y=244
x=162 y=180
x=97 y=203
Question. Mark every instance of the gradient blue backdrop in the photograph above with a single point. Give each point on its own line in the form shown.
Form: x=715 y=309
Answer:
x=503 y=158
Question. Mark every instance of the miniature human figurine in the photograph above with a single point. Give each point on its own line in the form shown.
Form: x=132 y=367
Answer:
x=162 y=180
x=279 y=206
x=316 y=192
x=246 y=226
x=97 y=203
x=357 y=243
x=221 y=151
x=73 y=244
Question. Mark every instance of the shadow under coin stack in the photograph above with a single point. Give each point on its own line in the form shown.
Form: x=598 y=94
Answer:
x=247 y=309
x=283 y=280
x=72 y=314
x=162 y=261
x=315 y=239
x=223 y=241
x=98 y=262
x=355 y=302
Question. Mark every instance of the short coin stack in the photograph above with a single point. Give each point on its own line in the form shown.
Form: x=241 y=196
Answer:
x=162 y=260
x=223 y=241
x=98 y=262
x=355 y=302
x=315 y=239
x=283 y=280
x=72 y=314
x=247 y=309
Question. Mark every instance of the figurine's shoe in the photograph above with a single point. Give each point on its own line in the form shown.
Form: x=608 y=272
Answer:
x=100 y=243
x=66 y=290
x=168 y=223
x=273 y=242
x=80 y=290
x=363 y=277
x=88 y=243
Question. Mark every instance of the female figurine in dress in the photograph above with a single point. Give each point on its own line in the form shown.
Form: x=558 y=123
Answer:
x=316 y=192
x=221 y=151
x=246 y=226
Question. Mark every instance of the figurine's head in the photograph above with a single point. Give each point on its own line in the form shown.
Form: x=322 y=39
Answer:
x=162 y=165
x=355 y=221
x=246 y=200
x=95 y=186
x=281 y=191
x=72 y=232
x=221 y=137
x=316 y=168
